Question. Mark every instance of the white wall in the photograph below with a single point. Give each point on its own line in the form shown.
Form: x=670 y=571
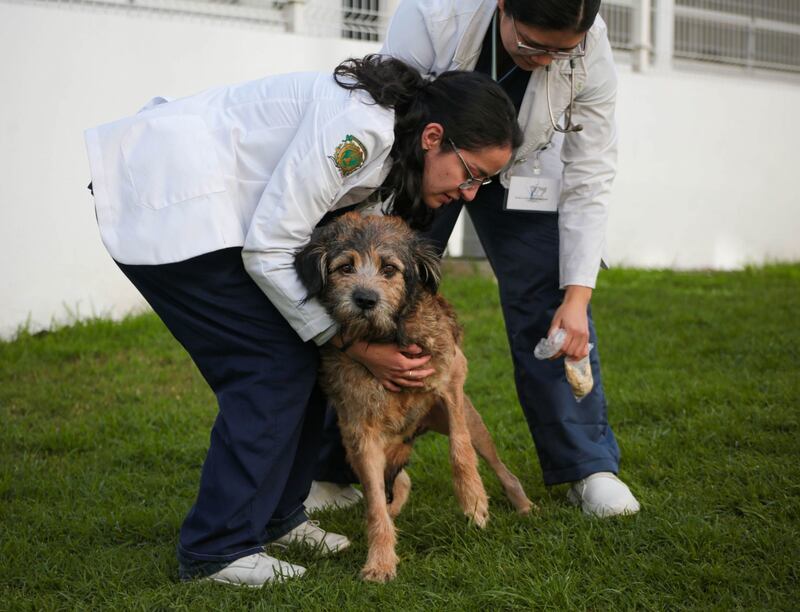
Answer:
x=708 y=171
x=64 y=68
x=707 y=162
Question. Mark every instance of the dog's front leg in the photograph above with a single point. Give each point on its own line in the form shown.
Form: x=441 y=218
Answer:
x=370 y=464
x=466 y=480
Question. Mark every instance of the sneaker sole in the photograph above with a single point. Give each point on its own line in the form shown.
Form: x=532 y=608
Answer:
x=341 y=505
x=573 y=499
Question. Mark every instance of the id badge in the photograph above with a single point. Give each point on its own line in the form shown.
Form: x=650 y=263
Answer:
x=535 y=186
x=533 y=193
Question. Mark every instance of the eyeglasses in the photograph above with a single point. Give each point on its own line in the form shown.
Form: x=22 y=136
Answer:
x=535 y=50
x=472 y=181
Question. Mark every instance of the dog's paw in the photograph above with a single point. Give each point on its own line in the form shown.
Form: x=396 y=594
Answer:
x=479 y=512
x=381 y=565
x=481 y=519
x=527 y=507
x=373 y=572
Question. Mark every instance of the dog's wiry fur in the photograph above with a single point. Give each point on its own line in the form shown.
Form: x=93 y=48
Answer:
x=379 y=280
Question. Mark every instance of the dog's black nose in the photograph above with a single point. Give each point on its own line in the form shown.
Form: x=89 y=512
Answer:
x=365 y=299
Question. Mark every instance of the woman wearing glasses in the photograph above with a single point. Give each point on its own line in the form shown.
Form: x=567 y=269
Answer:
x=543 y=224
x=204 y=201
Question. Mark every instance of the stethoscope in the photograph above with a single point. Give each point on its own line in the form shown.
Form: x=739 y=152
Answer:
x=570 y=127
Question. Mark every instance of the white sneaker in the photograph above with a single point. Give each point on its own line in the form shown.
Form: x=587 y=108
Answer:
x=603 y=494
x=256 y=570
x=310 y=534
x=331 y=495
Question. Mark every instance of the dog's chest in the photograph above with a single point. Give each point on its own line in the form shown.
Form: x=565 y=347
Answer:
x=361 y=401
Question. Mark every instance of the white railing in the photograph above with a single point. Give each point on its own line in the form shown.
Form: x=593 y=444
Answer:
x=735 y=32
x=619 y=16
x=747 y=40
x=354 y=19
x=629 y=28
x=746 y=33
x=264 y=14
x=363 y=19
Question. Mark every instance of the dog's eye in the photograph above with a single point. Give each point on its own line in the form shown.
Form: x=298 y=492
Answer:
x=388 y=270
x=346 y=269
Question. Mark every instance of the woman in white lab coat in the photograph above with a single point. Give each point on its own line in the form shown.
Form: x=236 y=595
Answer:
x=204 y=201
x=543 y=224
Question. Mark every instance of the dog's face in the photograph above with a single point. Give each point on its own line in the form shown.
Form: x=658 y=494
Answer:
x=367 y=271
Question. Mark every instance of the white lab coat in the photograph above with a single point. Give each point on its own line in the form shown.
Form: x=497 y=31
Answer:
x=439 y=35
x=246 y=165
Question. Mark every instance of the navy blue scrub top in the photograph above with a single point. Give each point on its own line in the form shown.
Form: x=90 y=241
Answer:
x=514 y=81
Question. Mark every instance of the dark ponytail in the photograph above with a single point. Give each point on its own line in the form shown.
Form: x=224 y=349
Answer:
x=474 y=111
x=562 y=15
x=391 y=82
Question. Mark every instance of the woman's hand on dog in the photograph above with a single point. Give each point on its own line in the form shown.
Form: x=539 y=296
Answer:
x=394 y=366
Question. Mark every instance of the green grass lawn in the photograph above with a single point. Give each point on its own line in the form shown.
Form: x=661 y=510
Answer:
x=105 y=426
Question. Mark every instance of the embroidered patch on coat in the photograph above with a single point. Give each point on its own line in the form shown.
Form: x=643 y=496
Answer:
x=350 y=155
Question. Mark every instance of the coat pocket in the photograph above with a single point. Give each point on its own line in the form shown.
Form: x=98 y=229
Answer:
x=170 y=160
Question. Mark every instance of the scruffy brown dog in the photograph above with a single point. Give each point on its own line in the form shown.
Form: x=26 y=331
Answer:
x=378 y=279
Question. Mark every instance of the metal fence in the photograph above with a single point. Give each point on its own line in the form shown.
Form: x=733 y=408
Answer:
x=362 y=19
x=619 y=17
x=763 y=34
x=263 y=14
x=354 y=19
x=746 y=33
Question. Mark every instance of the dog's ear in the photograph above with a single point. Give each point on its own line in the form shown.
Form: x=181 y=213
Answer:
x=311 y=263
x=428 y=265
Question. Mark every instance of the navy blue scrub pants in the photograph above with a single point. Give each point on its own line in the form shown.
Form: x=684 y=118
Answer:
x=573 y=440
x=266 y=436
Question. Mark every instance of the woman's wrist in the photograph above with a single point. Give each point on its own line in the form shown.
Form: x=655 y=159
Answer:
x=355 y=349
x=337 y=341
x=578 y=294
